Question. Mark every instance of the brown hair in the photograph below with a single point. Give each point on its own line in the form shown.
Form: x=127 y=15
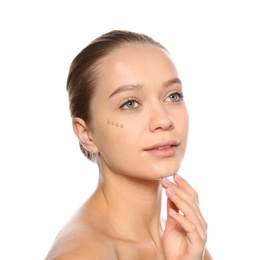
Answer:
x=83 y=73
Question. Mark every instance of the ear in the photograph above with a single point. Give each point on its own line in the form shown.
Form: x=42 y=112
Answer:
x=84 y=135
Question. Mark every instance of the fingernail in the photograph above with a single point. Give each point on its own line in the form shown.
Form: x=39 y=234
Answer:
x=167 y=181
x=178 y=176
x=173 y=212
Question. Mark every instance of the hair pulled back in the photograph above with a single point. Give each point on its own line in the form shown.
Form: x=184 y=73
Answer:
x=84 y=72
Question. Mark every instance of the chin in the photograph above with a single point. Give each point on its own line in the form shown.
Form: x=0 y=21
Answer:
x=166 y=170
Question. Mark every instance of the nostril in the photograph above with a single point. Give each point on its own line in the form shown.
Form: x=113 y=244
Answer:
x=160 y=119
x=164 y=127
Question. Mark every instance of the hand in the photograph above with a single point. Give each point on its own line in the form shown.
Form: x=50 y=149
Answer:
x=185 y=232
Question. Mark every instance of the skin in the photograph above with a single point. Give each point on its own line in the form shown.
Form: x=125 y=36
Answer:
x=113 y=123
x=121 y=220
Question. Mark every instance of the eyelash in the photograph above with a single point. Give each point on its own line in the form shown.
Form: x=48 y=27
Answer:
x=134 y=100
x=128 y=100
x=179 y=96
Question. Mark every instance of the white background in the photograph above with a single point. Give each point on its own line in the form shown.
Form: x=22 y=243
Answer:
x=223 y=50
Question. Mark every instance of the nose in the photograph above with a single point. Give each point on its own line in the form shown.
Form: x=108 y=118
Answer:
x=160 y=119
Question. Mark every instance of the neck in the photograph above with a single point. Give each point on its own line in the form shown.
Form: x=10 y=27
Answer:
x=132 y=206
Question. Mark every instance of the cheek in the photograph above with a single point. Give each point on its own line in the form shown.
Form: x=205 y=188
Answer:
x=180 y=118
x=114 y=141
x=121 y=136
x=114 y=123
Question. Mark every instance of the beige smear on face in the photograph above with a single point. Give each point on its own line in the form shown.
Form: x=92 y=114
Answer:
x=113 y=123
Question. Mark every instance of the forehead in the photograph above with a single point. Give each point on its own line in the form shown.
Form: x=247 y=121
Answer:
x=136 y=64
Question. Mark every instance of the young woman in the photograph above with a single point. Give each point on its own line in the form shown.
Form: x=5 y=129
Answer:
x=128 y=112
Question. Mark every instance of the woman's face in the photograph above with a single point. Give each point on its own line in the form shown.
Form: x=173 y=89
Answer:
x=140 y=121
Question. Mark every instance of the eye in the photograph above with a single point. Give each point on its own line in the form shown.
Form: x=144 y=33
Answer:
x=175 y=97
x=130 y=104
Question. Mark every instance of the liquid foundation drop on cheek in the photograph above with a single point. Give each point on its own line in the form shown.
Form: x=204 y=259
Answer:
x=117 y=124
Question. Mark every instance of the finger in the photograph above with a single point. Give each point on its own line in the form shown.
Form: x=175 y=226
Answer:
x=165 y=182
x=171 y=205
x=188 y=210
x=196 y=242
x=187 y=193
x=188 y=197
x=170 y=223
x=182 y=183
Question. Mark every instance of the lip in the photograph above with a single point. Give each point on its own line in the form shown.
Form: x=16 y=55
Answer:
x=163 y=149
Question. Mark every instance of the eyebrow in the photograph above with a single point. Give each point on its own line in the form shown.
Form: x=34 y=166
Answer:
x=132 y=87
x=129 y=87
x=171 y=82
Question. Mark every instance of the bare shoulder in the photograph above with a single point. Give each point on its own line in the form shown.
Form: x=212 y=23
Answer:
x=80 y=251
x=79 y=241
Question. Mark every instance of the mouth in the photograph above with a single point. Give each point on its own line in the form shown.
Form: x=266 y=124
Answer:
x=163 y=149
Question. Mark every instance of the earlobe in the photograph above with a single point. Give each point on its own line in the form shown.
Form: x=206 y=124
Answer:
x=84 y=135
